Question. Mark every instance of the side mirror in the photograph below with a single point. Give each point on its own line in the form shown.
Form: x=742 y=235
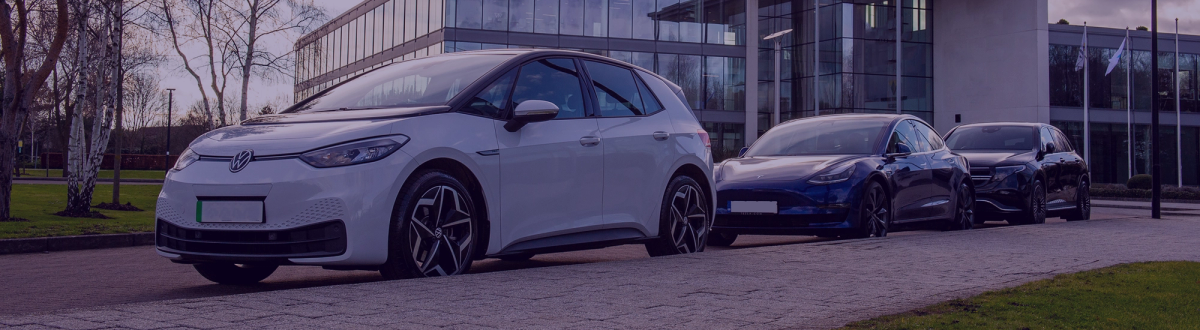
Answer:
x=902 y=150
x=529 y=112
x=1050 y=148
x=743 y=152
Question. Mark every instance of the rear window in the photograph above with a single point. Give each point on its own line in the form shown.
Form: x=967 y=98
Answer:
x=993 y=138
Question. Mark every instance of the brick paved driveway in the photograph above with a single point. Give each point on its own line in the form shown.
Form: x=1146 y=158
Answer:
x=819 y=285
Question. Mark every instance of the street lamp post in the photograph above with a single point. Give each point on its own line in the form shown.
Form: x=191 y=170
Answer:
x=778 y=48
x=170 y=103
x=1155 y=164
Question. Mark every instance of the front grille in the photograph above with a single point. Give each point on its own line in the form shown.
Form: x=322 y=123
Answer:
x=981 y=175
x=775 y=221
x=319 y=240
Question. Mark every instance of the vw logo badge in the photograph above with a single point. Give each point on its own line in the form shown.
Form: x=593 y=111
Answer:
x=240 y=161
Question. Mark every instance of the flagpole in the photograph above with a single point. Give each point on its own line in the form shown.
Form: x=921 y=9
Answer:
x=1178 y=115
x=1087 y=122
x=1155 y=158
x=1129 y=105
x=816 y=57
x=899 y=59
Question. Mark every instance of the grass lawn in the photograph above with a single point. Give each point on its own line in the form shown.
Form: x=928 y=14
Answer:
x=39 y=202
x=1149 y=295
x=104 y=174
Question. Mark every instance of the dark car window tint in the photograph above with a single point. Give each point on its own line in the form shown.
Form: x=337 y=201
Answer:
x=648 y=98
x=552 y=80
x=616 y=93
x=1047 y=139
x=421 y=82
x=908 y=135
x=935 y=141
x=492 y=100
x=1063 y=143
x=840 y=136
x=992 y=138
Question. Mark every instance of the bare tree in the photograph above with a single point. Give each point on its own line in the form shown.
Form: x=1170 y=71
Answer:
x=186 y=22
x=255 y=21
x=21 y=85
x=144 y=102
x=99 y=30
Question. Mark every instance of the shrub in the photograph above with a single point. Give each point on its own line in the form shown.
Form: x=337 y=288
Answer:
x=1140 y=181
x=1120 y=191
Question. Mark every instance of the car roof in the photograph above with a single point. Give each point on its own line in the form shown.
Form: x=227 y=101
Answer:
x=1004 y=123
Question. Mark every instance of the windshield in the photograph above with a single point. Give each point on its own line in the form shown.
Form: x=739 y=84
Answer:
x=846 y=135
x=993 y=138
x=421 y=82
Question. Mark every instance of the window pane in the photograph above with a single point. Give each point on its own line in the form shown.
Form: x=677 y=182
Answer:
x=422 y=17
x=620 y=15
x=644 y=60
x=495 y=14
x=369 y=39
x=435 y=15
x=520 y=17
x=714 y=82
x=648 y=99
x=616 y=93
x=398 y=25
x=410 y=20
x=595 y=21
x=470 y=14
x=386 y=24
x=571 y=21
x=690 y=67
x=552 y=80
x=690 y=29
x=668 y=23
x=546 y=17
x=493 y=100
x=643 y=24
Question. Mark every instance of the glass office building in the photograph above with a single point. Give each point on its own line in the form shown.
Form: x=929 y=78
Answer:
x=701 y=45
x=1119 y=101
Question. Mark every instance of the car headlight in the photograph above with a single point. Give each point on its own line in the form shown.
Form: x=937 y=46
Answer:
x=186 y=158
x=354 y=153
x=835 y=175
x=1003 y=172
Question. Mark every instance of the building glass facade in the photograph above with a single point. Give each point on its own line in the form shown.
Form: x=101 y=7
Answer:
x=1109 y=95
x=701 y=45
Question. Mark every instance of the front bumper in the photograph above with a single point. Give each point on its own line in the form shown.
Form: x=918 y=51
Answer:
x=332 y=217
x=997 y=199
x=804 y=210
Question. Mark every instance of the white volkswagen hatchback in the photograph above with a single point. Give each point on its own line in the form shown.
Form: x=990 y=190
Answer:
x=417 y=168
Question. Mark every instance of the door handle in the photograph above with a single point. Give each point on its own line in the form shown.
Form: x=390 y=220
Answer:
x=1063 y=160
x=589 y=141
x=661 y=136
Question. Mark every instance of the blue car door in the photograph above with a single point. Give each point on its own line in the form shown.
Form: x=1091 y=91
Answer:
x=942 y=173
x=909 y=173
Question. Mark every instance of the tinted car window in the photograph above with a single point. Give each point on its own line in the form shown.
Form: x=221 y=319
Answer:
x=841 y=136
x=1047 y=139
x=651 y=102
x=552 y=80
x=992 y=138
x=616 y=92
x=493 y=99
x=1063 y=143
x=935 y=141
x=421 y=82
x=905 y=133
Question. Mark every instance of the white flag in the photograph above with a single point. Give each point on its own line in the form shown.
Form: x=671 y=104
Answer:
x=1082 y=59
x=1116 y=58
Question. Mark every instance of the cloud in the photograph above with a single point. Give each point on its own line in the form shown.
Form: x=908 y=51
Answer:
x=1123 y=13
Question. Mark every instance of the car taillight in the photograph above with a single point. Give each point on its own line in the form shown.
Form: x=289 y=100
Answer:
x=704 y=136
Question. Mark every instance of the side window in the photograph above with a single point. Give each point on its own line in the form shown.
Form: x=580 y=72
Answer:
x=617 y=92
x=935 y=141
x=1047 y=138
x=914 y=136
x=904 y=134
x=552 y=80
x=1064 y=144
x=652 y=104
x=493 y=100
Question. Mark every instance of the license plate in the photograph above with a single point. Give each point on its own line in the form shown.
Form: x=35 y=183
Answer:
x=753 y=207
x=229 y=211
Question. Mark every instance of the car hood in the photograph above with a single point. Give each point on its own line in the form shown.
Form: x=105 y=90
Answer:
x=295 y=133
x=989 y=158
x=777 y=168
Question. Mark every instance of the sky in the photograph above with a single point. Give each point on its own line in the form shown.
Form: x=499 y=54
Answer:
x=1106 y=13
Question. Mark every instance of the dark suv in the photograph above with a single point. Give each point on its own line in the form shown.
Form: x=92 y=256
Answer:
x=1023 y=172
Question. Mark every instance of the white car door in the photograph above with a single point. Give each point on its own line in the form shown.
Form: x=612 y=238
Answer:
x=551 y=172
x=637 y=147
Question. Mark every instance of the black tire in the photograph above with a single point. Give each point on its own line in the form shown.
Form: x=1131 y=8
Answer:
x=964 y=209
x=1083 y=203
x=716 y=238
x=875 y=212
x=419 y=233
x=684 y=222
x=517 y=257
x=1036 y=212
x=233 y=274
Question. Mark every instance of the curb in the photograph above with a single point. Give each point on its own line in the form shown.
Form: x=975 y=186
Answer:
x=97 y=180
x=69 y=243
x=1147 y=200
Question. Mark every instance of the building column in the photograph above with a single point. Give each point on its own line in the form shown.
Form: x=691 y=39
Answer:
x=751 y=71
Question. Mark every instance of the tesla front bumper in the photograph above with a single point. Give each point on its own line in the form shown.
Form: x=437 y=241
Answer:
x=809 y=210
x=333 y=216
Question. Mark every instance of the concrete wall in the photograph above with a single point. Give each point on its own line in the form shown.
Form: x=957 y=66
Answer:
x=990 y=61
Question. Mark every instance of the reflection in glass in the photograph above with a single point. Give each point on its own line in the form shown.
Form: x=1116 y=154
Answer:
x=571 y=22
x=470 y=14
x=545 y=15
x=643 y=24
x=595 y=22
x=668 y=20
x=495 y=15
x=520 y=15
x=620 y=15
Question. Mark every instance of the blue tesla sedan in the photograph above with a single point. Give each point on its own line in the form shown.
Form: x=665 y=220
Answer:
x=842 y=175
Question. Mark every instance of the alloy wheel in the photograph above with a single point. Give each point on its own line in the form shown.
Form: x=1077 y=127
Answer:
x=1038 y=204
x=965 y=213
x=1085 y=201
x=441 y=232
x=878 y=215
x=689 y=219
